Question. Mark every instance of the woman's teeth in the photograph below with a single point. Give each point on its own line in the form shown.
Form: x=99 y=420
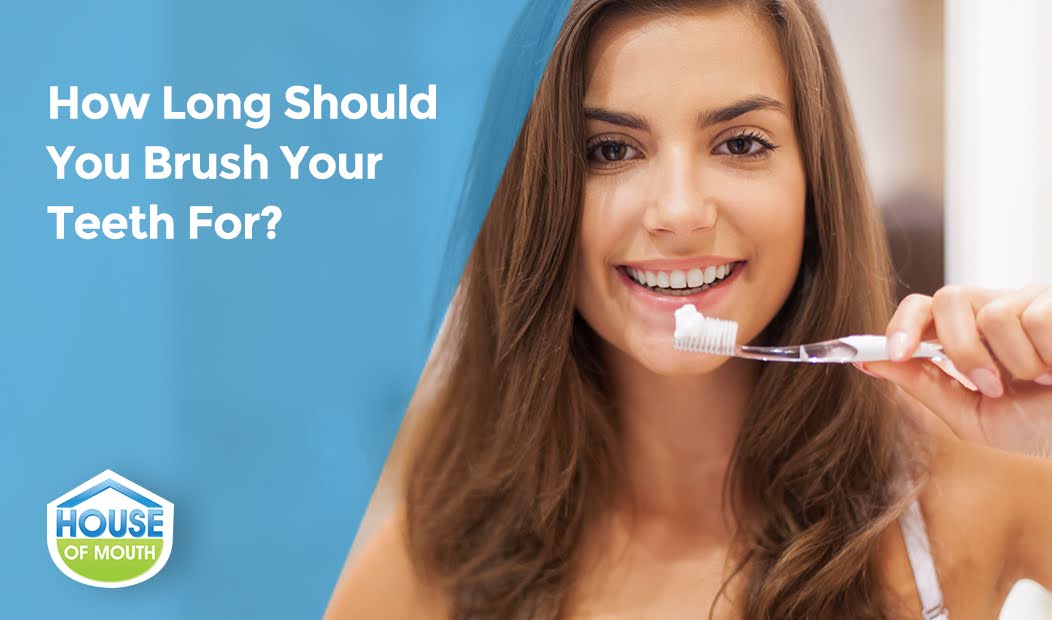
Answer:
x=679 y=282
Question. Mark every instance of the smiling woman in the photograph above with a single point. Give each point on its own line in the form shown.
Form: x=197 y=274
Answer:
x=684 y=175
x=570 y=463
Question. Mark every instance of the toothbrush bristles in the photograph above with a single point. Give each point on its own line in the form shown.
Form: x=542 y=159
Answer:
x=712 y=336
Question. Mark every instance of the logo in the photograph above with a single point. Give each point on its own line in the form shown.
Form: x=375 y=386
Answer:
x=110 y=532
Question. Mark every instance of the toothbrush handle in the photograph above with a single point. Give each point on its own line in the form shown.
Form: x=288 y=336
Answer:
x=874 y=349
x=866 y=348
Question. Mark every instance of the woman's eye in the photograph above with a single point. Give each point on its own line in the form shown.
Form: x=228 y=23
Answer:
x=741 y=146
x=611 y=151
x=745 y=146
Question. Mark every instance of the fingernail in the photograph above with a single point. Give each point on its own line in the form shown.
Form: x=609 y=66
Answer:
x=987 y=382
x=897 y=346
x=1045 y=379
x=863 y=368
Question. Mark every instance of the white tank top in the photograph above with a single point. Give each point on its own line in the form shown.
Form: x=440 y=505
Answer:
x=918 y=549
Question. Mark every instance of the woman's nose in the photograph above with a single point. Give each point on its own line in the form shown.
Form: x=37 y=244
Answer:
x=678 y=204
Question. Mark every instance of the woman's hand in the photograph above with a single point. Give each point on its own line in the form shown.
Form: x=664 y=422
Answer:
x=1002 y=342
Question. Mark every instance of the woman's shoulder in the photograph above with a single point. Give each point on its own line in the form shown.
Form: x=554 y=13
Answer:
x=971 y=505
x=379 y=581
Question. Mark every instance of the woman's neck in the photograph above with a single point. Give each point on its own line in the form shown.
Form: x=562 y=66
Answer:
x=677 y=437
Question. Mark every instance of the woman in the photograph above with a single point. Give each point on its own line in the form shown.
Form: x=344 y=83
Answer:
x=573 y=465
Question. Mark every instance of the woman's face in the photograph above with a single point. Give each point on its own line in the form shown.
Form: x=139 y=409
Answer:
x=694 y=172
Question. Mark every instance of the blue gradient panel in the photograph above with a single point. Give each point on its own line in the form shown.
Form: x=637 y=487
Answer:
x=256 y=384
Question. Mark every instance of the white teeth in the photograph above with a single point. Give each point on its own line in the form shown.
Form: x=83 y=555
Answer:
x=679 y=280
x=695 y=277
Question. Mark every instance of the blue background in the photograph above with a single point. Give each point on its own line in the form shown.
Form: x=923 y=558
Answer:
x=256 y=384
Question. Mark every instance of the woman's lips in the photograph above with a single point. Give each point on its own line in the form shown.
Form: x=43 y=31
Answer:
x=705 y=300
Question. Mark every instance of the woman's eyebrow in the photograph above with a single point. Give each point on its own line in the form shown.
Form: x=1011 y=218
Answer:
x=623 y=119
x=705 y=119
x=736 y=109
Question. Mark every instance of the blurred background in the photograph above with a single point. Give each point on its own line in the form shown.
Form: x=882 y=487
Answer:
x=946 y=96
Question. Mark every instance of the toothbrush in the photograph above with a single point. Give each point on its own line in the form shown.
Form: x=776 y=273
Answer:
x=701 y=334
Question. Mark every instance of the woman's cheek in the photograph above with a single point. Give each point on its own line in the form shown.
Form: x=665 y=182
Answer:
x=785 y=250
x=591 y=284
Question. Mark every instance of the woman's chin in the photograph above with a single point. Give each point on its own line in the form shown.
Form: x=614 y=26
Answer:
x=658 y=356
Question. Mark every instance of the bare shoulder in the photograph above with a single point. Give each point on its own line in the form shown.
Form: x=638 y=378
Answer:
x=978 y=505
x=380 y=582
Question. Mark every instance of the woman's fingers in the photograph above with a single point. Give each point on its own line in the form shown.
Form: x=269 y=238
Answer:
x=937 y=391
x=989 y=334
x=907 y=325
x=954 y=314
x=1000 y=322
x=1037 y=323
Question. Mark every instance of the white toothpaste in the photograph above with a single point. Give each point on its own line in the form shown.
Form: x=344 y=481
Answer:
x=689 y=322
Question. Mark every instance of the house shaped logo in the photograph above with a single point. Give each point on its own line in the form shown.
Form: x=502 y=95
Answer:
x=110 y=532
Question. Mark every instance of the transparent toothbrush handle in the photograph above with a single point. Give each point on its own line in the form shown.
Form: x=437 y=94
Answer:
x=840 y=351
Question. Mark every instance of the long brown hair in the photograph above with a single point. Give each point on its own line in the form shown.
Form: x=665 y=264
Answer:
x=520 y=444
